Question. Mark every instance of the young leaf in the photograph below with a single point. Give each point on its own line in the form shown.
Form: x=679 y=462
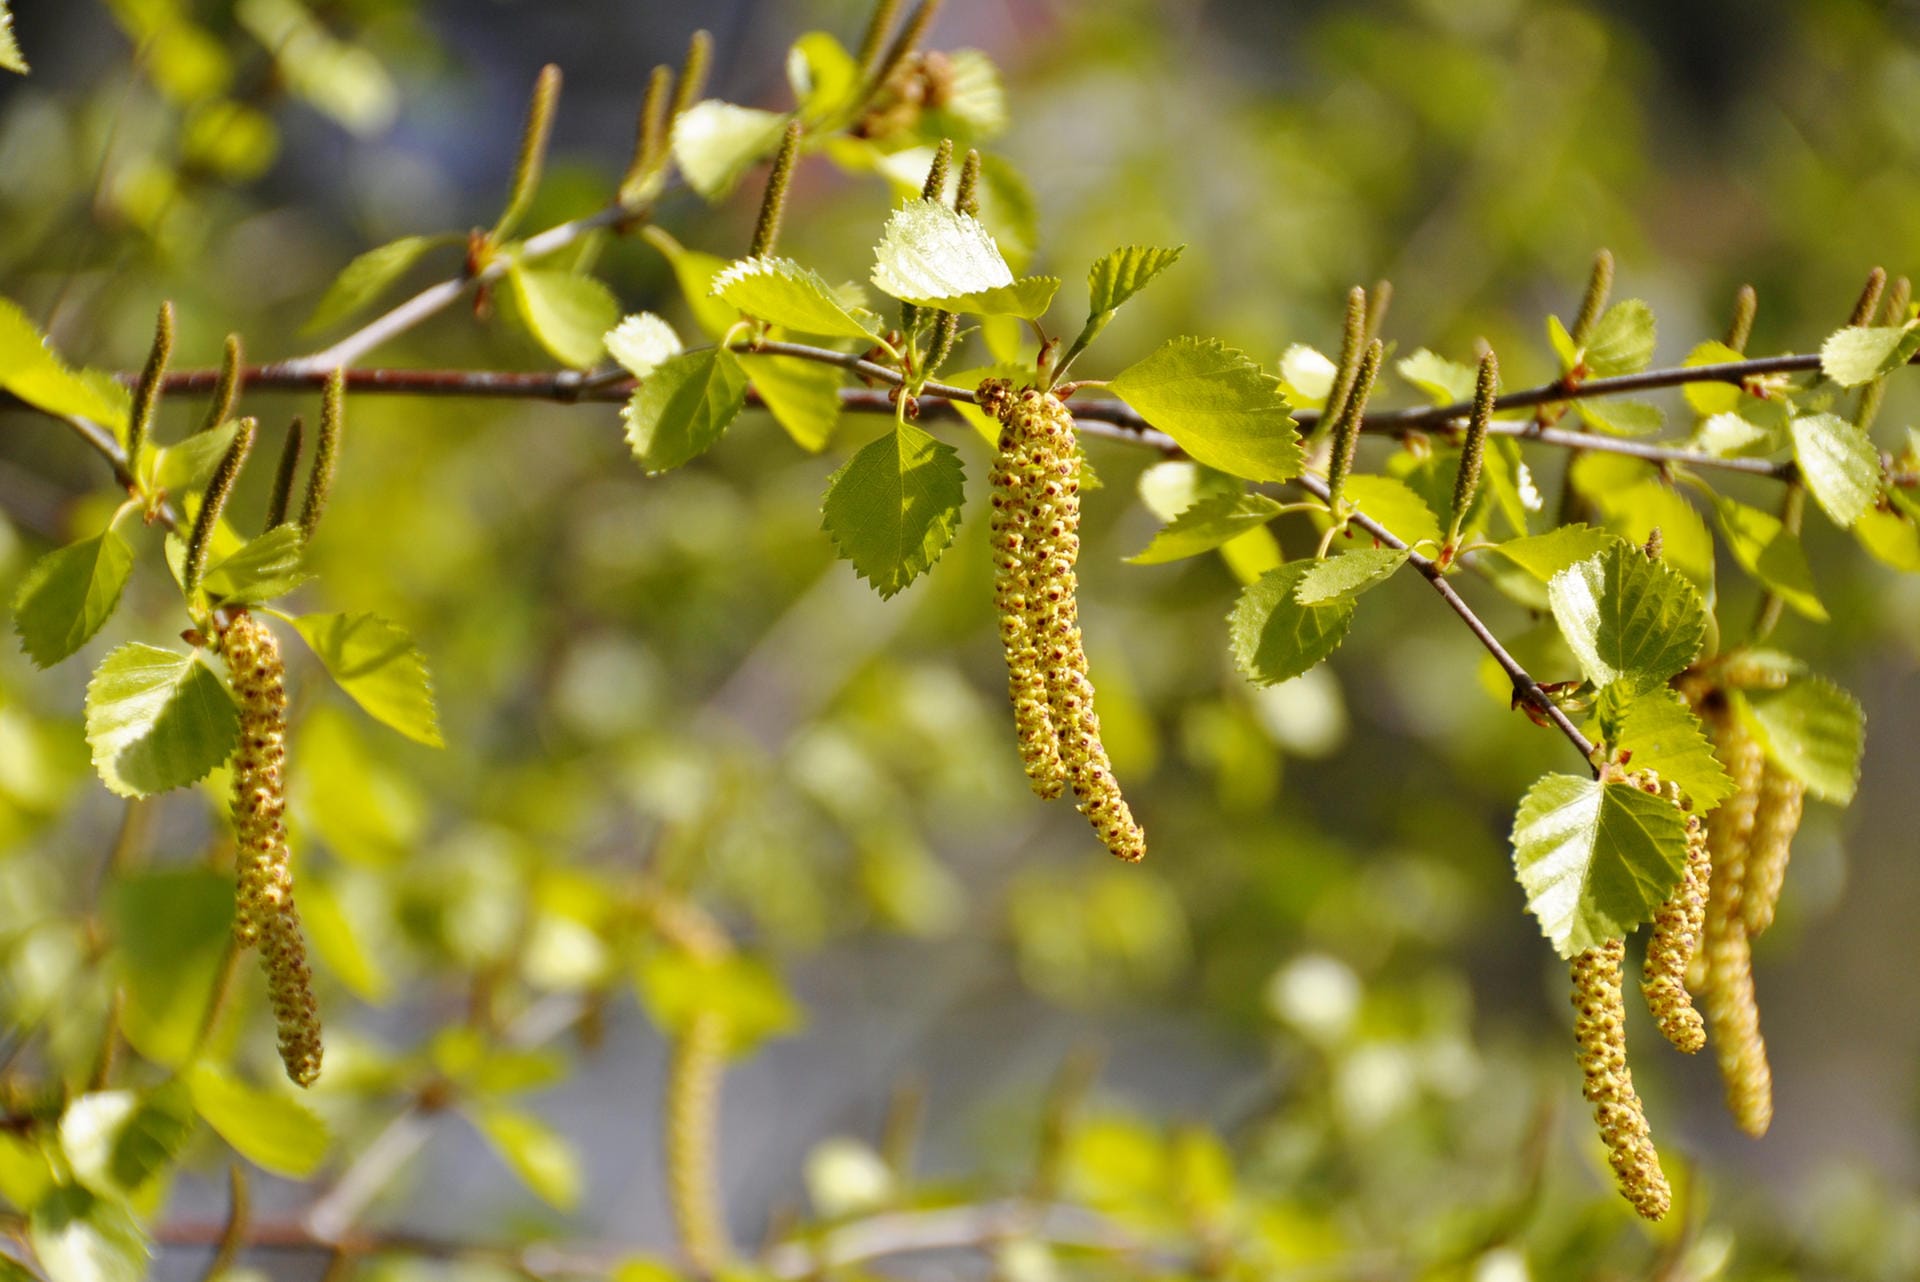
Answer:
x=1621 y=418
x=1814 y=731
x=1622 y=340
x=69 y=594
x=543 y=1158
x=367 y=277
x=1220 y=407
x=1838 y=463
x=78 y=1236
x=1344 y=577
x=933 y=256
x=695 y=270
x=641 y=342
x=186 y=465
x=375 y=661
x=675 y=988
x=1891 y=538
x=803 y=396
x=1665 y=736
x=271 y=1129
x=682 y=408
x=715 y=142
x=260 y=569
x=1595 y=859
x=1274 y=637
x=170 y=929
x=1125 y=272
x=157 y=719
x=1708 y=399
x=1445 y=382
x=32 y=372
x=892 y=508
x=1861 y=353
x=1206 y=525
x=823 y=76
x=1771 y=553
x=782 y=292
x=1394 y=504
x=1629 y=621
x=1545 y=555
x=568 y=314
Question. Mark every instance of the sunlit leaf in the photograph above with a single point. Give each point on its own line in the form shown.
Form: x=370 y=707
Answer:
x=78 y=1236
x=30 y=370
x=544 y=1159
x=681 y=409
x=1394 y=504
x=157 y=719
x=675 y=988
x=892 y=508
x=715 y=142
x=1346 y=576
x=260 y=569
x=1545 y=555
x=1663 y=734
x=694 y=271
x=11 y=59
x=1118 y=276
x=782 y=292
x=566 y=313
x=1815 y=731
x=376 y=662
x=803 y=396
x=1771 y=553
x=933 y=256
x=170 y=928
x=1444 y=381
x=367 y=277
x=268 y=1127
x=1220 y=407
x=1206 y=525
x=1861 y=353
x=1622 y=340
x=1274 y=637
x=1629 y=620
x=641 y=342
x=69 y=594
x=1595 y=859
x=1838 y=463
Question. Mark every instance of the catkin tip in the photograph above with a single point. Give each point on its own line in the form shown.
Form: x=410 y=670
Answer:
x=1600 y=1033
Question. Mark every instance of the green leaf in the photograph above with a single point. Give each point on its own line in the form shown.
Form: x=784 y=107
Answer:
x=186 y=465
x=823 y=76
x=270 y=1128
x=1630 y=621
x=1634 y=510
x=1815 y=731
x=568 y=314
x=80 y=1237
x=1838 y=463
x=803 y=396
x=69 y=594
x=782 y=292
x=641 y=342
x=1664 y=735
x=1708 y=399
x=1306 y=375
x=1274 y=637
x=675 y=988
x=340 y=941
x=1220 y=407
x=32 y=372
x=1125 y=272
x=1861 y=353
x=1397 y=506
x=10 y=56
x=1621 y=341
x=1621 y=418
x=543 y=1158
x=1344 y=577
x=933 y=256
x=1562 y=343
x=681 y=409
x=1890 y=537
x=260 y=569
x=1595 y=859
x=157 y=719
x=376 y=662
x=1206 y=525
x=1445 y=382
x=116 y=1141
x=1771 y=553
x=892 y=508
x=1545 y=555
x=715 y=142
x=171 y=928
x=695 y=270
x=367 y=277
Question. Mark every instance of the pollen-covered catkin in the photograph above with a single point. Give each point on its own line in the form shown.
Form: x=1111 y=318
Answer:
x=1013 y=598
x=1776 y=818
x=1600 y=1031
x=264 y=911
x=1677 y=928
x=1726 y=987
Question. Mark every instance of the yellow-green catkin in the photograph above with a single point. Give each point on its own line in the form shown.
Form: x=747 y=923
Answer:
x=1600 y=1031
x=1016 y=603
x=1677 y=928
x=264 y=911
x=1776 y=818
x=1038 y=444
x=1726 y=984
x=691 y=1139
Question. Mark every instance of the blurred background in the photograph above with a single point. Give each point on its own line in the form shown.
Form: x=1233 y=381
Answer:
x=1325 y=959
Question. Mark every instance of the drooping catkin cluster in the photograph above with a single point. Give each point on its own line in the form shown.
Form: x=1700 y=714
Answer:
x=1677 y=928
x=264 y=911
x=1776 y=817
x=1036 y=542
x=1600 y=1031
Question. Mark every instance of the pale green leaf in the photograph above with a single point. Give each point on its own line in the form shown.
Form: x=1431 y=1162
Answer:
x=78 y=1236
x=1595 y=859
x=270 y=1128
x=824 y=77
x=641 y=342
x=1621 y=418
x=1123 y=273
x=1344 y=577
x=170 y=929
x=69 y=594
x=1171 y=487
x=1394 y=504
x=367 y=277
x=186 y=465
x=1771 y=553
x=1708 y=399
x=30 y=370
x=340 y=941
x=1562 y=343
x=679 y=411
x=782 y=292
x=1306 y=375
x=1815 y=731
x=1206 y=525
x=1274 y=637
x=11 y=59
x=1220 y=407
x=694 y=270
x=892 y=508
x=1444 y=381
x=543 y=1158
x=1545 y=555
x=933 y=256
x=1634 y=511
x=975 y=98
x=1630 y=621
x=375 y=661
x=1663 y=734
x=1861 y=353
x=1622 y=340
x=1890 y=537
x=715 y=142
x=157 y=719
x=260 y=569
x=567 y=314
x=675 y=988
x=803 y=396
x=1838 y=463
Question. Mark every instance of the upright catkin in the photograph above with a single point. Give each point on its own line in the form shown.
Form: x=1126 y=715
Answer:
x=264 y=911
x=1600 y=1032
x=1726 y=982
x=1776 y=818
x=1677 y=927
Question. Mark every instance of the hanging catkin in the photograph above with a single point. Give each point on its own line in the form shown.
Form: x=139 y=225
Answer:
x=1733 y=1014
x=1015 y=602
x=1776 y=818
x=1677 y=928
x=1600 y=1032
x=264 y=911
